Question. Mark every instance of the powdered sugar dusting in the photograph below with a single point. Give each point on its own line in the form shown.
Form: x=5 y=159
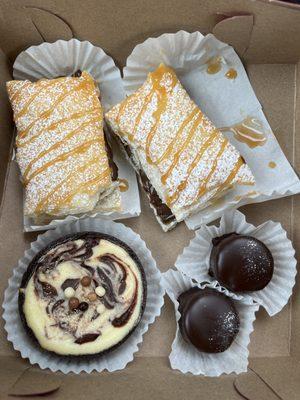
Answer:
x=184 y=169
x=60 y=144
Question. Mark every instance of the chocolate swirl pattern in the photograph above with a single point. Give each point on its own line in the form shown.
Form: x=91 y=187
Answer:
x=60 y=144
x=188 y=161
x=84 y=296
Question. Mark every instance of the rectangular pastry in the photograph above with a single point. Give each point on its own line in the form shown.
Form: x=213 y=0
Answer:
x=64 y=158
x=184 y=162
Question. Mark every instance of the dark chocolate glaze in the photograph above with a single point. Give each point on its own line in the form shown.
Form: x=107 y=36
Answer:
x=209 y=319
x=241 y=263
x=43 y=261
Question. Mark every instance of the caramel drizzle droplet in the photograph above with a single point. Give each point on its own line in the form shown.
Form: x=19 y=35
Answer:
x=250 y=131
x=231 y=73
x=171 y=199
x=248 y=194
x=214 y=65
x=272 y=164
x=123 y=185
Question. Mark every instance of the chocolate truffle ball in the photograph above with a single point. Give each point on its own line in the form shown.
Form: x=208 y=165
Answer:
x=209 y=319
x=241 y=263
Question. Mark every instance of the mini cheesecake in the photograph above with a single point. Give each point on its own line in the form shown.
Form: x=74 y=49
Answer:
x=83 y=294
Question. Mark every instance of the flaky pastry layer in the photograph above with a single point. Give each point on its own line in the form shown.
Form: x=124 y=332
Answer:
x=188 y=161
x=60 y=146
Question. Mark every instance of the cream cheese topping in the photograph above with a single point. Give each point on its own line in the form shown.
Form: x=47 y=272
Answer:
x=98 y=322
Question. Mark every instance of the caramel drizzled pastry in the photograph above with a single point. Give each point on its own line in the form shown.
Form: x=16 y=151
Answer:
x=184 y=162
x=60 y=146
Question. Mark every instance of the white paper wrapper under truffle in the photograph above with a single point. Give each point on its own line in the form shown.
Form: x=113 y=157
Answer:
x=186 y=358
x=194 y=261
x=226 y=102
x=63 y=58
x=115 y=360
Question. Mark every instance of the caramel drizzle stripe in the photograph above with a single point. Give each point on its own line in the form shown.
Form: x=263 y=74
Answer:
x=248 y=133
x=147 y=100
x=47 y=198
x=18 y=92
x=121 y=109
x=171 y=199
x=55 y=146
x=82 y=186
x=157 y=116
x=185 y=144
x=32 y=98
x=231 y=176
x=74 y=116
x=81 y=148
x=123 y=185
x=161 y=92
x=46 y=113
x=184 y=124
x=162 y=102
x=203 y=186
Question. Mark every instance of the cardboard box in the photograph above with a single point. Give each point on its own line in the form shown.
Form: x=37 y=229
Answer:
x=267 y=37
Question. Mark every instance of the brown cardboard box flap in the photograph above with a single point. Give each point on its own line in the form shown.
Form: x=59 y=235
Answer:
x=235 y=30
x=270 y=379
x=49 y=25
x=34 y=382
x=271 y=62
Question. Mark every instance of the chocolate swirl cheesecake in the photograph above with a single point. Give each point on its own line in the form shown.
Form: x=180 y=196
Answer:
x=83 y=294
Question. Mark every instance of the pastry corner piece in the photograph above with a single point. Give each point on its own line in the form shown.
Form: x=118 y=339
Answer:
x=183 y=161
x=61 y=149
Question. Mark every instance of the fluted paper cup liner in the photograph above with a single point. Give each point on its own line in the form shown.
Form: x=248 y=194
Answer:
x=226 y=102
x=194 y=261
x=185 y=357
x=63 y=58
x=112 y=361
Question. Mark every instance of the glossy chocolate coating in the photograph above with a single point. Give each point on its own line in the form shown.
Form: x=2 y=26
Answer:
x=241 y=263
x=208 y=320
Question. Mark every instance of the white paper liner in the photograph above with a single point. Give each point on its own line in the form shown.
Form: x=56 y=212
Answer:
x=63 y=58
x=185 y=357
x=225 y=102
x=194 y=261
x=112 y=361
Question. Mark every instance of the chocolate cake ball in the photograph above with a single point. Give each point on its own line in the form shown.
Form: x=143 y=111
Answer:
x=83 y=294
x=241 y=263
x=209 y=319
